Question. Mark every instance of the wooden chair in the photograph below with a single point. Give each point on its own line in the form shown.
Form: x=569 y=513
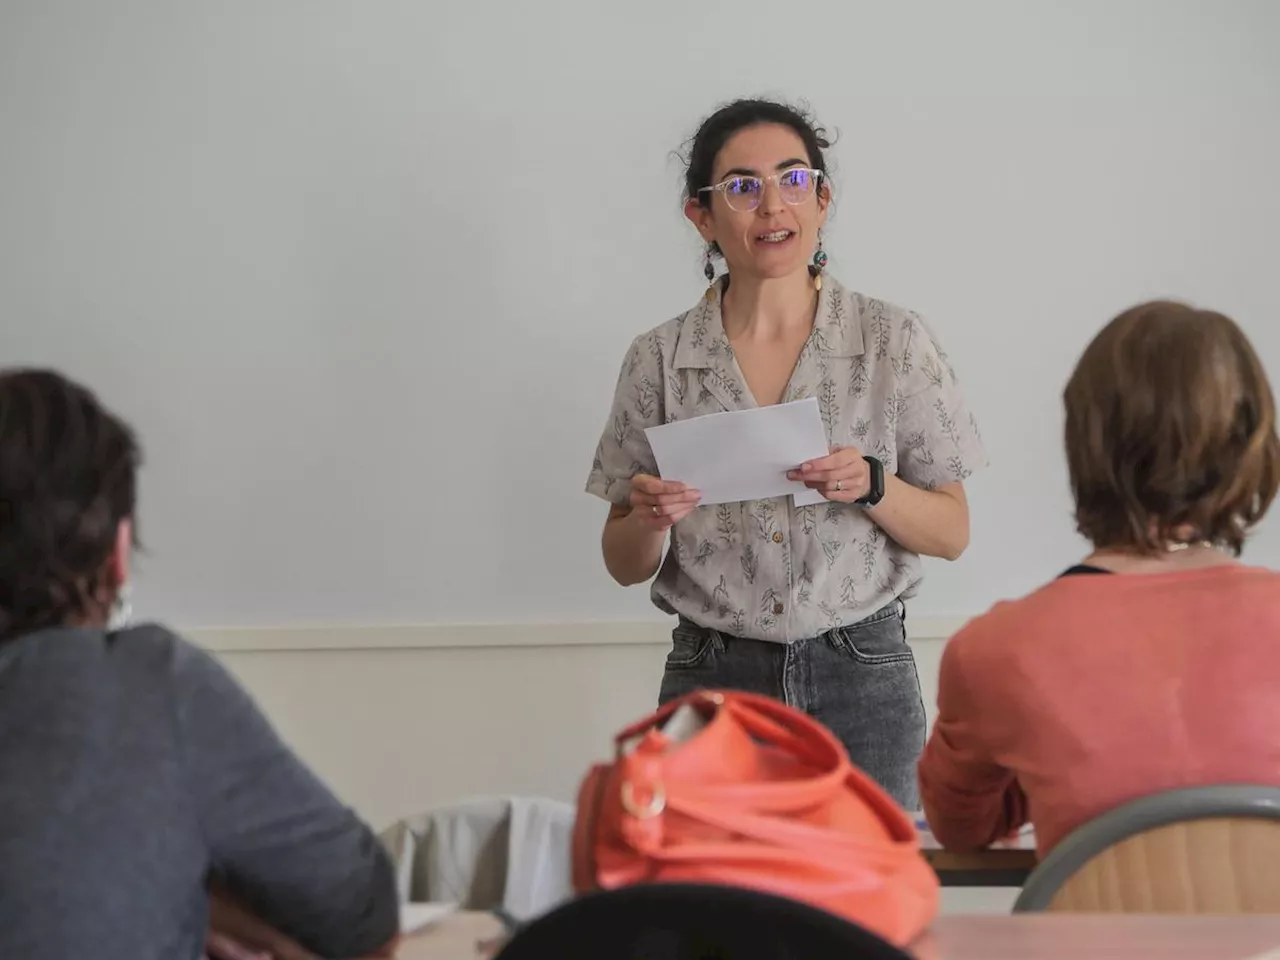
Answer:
x=1198 y=850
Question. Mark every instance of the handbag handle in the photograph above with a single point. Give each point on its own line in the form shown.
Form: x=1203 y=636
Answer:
x=763 y=717
x=722 y=805
x=768 y=720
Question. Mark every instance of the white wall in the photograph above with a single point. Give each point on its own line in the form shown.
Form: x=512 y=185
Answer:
x=397 y=732
x=362 y=273
x=401 y=720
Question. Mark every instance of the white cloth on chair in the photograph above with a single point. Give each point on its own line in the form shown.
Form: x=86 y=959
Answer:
x=508 y=852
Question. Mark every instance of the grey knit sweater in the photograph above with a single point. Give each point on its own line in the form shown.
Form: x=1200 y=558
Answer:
x=132 y=769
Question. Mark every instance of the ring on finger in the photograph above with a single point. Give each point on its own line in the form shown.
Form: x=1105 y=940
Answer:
x=657 y=510
x=839 y=485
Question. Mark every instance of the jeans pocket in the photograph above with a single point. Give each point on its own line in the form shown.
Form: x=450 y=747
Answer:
x=881 y=638
x=690 y=646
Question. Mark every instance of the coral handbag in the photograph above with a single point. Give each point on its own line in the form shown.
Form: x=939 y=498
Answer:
x=735 y=789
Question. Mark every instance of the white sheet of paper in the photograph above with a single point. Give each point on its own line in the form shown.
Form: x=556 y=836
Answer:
x=418 y=916
x=743 y=454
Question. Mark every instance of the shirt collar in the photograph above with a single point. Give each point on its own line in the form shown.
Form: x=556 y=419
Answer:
x=837 y=328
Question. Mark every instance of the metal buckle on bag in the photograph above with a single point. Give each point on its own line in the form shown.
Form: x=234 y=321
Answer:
x=657 y=801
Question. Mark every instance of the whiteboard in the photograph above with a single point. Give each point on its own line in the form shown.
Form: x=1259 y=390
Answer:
x=363 y=274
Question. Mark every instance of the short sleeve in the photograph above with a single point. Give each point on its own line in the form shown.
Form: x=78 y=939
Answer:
x=624 y=450
x=938 y=438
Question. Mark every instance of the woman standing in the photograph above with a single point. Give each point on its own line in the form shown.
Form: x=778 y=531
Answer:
x=800 y=603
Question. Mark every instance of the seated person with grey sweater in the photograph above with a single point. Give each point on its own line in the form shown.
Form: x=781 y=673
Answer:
x=135 y=773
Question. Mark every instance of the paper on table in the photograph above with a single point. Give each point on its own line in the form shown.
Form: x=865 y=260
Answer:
x=417 y=916
x=743 y=454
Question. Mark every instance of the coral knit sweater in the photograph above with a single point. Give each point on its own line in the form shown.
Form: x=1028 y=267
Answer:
x=1100 y=688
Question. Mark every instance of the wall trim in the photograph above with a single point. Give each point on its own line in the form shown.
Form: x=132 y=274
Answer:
x=478 y=635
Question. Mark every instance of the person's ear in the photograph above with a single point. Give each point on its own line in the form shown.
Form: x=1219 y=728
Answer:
x=701 y=219
x=121 y=552
x=824 y=201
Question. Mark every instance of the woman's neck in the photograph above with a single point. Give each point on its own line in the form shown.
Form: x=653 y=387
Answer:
x=769 y=309
x=1192 y=557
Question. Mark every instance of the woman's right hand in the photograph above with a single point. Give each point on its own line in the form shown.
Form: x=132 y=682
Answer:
x=659 y=504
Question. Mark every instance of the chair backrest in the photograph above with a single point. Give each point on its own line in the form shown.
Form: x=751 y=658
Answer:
x=676 y=921
x=486 y=853
x=1197 y=850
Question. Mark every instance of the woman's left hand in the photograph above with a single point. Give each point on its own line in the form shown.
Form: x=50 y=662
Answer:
x=235 y=933
x=842 y=476
x=219 y=946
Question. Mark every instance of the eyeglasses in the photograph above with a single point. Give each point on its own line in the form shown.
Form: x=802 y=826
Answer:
x=743 y=193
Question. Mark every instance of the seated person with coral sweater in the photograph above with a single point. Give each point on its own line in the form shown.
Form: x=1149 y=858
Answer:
x=1155 y=663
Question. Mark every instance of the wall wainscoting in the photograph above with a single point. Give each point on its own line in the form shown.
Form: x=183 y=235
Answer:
x=479 y=635
x=402 y=718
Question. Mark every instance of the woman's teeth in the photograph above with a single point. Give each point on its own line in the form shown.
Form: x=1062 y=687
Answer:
x=776 y=237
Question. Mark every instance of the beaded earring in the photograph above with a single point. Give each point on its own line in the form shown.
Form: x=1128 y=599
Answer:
x=709 y=271
x=819 y=264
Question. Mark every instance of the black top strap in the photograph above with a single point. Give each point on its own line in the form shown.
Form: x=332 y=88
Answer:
x=1082 y=568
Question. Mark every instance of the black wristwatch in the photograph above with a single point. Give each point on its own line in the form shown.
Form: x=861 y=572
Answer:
x=875 y=492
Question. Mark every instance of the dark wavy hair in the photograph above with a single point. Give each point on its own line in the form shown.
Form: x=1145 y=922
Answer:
x=716 y=130
x=1171 y=426
x=700 y=153
x=68 y=476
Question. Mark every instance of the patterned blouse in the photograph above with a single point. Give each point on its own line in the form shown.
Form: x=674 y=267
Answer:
x=766 y=569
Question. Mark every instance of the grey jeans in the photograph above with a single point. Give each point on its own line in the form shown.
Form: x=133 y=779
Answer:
x=860 y=681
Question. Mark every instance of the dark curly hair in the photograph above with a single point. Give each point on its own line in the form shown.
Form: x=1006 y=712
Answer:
x=715 y=131
x=68 y=476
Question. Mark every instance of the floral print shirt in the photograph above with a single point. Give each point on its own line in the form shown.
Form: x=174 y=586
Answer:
x=766 y=569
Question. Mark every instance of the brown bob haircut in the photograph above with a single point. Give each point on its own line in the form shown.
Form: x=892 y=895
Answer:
x=1171 y=432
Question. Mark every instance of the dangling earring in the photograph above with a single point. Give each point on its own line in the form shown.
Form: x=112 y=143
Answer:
x=709 y=271
x=819 y=263
x=121 y=614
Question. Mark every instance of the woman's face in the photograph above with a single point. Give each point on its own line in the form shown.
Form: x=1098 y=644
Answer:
x=776 y=238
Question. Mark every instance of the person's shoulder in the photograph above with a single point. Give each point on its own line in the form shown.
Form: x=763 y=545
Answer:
x=902 y=336
x=877 y=310
x=148 y=640
x=653 y=352
x=155 y=649
x=1263 y=577
x=1000 y=632
x=888 y=327
x=982 y=637
x=661 y=340
x=1254 y=588
x=866 y=308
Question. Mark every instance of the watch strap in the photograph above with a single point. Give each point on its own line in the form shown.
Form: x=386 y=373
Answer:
x=875 y=492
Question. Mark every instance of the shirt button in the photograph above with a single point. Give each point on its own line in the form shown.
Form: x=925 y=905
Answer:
x=777 y=538
x=777 y=609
